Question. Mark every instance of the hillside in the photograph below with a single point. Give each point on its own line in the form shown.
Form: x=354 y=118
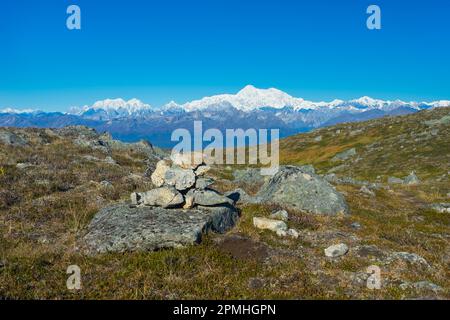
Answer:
x=52 y=182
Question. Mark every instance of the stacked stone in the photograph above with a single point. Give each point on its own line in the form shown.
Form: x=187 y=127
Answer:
x=180 y=183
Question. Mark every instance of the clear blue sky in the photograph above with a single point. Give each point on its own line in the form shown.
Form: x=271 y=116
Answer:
x=182 y=50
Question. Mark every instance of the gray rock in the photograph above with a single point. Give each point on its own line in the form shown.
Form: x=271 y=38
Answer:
x=367 y=191
x=409 y=257
x=210 y=198
x=106 y=184
x=411 y=179
x=293 y=233
x=318 y=139
x=203 y=183
x=181 y=179
x=119 y=228
x=441 y=207
x=250 y=176
x=294 y=188
x=166 y=197
x=12 y=139
x=345 y=155
x=240 y=196
x=201 y=170
x=356 y=225
x=280 y=215
x=421 y=285
x=336 y=250
x=395 y=180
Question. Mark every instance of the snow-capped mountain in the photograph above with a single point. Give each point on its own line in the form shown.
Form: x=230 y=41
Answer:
x=113 y=109
x=17 y=111
x=249 y=108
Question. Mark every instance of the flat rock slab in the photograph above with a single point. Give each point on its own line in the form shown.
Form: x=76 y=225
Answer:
x=119 y=228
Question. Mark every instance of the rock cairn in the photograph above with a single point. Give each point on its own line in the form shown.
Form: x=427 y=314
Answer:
x=181 y=182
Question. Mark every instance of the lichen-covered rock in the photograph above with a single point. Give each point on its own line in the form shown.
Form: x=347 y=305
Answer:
x=302 y=190
x=210 y=198
x=181 y=179
x=119 y=228
x=166 y=197
x=411 y=179
x=336 y=250
x=203 y=183
x=202 y=170
x=441 y=207
x=12 y=139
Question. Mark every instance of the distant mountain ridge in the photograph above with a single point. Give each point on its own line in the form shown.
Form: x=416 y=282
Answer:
x=250 y=108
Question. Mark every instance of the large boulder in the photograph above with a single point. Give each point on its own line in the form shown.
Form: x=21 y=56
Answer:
x=297 y=188
x=119 y=228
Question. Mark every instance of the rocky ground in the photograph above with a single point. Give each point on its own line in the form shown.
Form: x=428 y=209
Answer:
x=347 y=198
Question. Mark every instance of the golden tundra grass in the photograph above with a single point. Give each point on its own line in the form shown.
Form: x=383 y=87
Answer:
x=44 y=210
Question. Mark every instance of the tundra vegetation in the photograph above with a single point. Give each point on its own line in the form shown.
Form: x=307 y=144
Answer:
x=53 y=182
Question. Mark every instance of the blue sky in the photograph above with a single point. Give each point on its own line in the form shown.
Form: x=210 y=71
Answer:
x=182 y=50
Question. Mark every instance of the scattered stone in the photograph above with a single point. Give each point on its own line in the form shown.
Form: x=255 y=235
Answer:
x=119 y=228
x=280 y=215
x=210 y=198
x=182 y=179
x=202 y=170
x=367 y=191
x=421 y=285
x=22 y=166
x=295 y=188
x=106 y=184
x=158 y=175
x=411 y=179
x=293 y=233
x=203 y=183
x=409 y=257
x=336 y=250
x=441 y=207
x=356 y=225
x=269 y=224
x=345 y=155
x=318 y=139
x=166 y=197
x=395 y=180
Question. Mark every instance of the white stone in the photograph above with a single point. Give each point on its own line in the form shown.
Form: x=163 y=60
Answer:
x=336 y=250
x=269 y=224
x=293 y=233
x=159 y=173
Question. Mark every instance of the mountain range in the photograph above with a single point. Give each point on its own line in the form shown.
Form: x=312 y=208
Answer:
x=250 y=108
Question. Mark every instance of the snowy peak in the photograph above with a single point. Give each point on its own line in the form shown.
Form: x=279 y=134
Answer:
x=112 y=109
x=17 y=111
